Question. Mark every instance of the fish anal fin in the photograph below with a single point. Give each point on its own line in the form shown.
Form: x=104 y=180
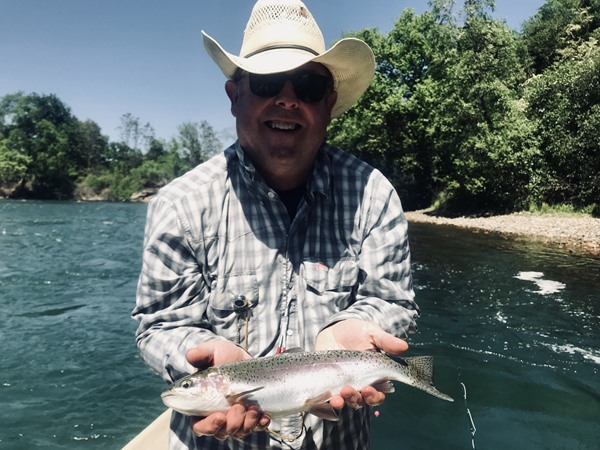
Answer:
x=320 y=407
x=234 y=398
x=384 y=386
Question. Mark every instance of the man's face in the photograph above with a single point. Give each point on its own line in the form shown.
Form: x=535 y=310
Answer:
x=282 y=133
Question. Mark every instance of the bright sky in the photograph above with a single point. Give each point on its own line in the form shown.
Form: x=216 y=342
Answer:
x=105 y=58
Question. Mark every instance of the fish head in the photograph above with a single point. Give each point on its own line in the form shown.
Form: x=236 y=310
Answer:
x=198 y=394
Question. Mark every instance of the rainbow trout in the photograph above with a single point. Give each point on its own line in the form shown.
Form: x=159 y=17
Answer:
x=296 y=381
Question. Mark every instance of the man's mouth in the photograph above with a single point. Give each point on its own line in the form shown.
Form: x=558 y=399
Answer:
x=282 y=126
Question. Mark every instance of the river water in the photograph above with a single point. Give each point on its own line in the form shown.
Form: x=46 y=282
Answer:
x=513 y=326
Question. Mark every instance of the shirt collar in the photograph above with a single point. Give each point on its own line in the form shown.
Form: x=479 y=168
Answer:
x=318 y=182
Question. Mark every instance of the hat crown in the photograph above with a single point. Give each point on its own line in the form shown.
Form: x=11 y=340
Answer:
x=280 y=24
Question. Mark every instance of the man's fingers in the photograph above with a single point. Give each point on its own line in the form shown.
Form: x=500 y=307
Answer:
x=208 y=426
x=215 y=353
x=352 y=397
x=389 y=343
x=235 y=419
x=200 y=357
x=337 y=402
x=372 y=396
x=238 y=423
x=357 y=399
x=250 y=421
x=263 y=423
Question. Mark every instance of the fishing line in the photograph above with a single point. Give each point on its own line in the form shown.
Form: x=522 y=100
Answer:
x=285 y=440
x=471 y=422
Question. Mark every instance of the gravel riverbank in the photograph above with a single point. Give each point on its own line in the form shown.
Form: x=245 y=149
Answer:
x=576 y=233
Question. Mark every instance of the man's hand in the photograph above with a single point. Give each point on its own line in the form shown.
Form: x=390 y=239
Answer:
x=239 y=421
x=356 y=334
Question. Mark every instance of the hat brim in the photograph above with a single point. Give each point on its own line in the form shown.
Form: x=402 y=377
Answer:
x=350 y=61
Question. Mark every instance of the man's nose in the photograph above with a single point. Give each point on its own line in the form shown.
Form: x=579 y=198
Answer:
x=287 y=97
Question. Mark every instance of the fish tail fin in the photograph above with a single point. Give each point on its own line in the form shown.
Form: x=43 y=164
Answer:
x=422 y=368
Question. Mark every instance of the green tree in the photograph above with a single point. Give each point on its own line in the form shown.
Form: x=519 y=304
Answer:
x=13 y=166
x=198 y=141
x=557 y=25
x=443 y=117
x=484 y=148
x=42 y=130
x=564 y=104
x=135 y=135
x=92 y=147
x=388 y=126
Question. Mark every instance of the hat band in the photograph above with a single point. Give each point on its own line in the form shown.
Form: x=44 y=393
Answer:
x=277 y=47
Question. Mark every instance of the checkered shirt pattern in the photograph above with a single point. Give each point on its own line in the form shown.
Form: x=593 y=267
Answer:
x=219 y=232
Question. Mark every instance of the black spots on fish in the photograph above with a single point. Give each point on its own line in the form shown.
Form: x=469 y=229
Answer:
x=423 y=367
x=398 y=360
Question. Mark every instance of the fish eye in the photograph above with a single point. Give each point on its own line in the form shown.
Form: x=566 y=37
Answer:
x=186 y=384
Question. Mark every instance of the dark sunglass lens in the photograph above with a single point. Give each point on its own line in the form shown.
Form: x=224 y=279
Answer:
x=266 y=85
x=310 y=87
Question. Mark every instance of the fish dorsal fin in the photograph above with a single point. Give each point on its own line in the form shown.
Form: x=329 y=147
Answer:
x=320 y=407
x=234 y=398
x=384 y=386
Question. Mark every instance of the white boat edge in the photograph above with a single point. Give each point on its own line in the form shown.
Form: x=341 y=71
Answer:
x=155 y=436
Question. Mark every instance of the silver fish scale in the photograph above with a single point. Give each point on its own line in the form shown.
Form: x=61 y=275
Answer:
x=296 y=381
x=268 y=368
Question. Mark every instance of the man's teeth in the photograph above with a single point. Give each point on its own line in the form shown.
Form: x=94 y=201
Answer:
x=282 y=126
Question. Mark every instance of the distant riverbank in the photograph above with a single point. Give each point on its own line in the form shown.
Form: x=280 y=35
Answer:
x=576 y=233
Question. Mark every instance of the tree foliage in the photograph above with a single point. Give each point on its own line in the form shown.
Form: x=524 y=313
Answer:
x=197 y=141
x=463 y=113
x=455 y=118
x=40 y=130
x=564 y=104
x=46 y=152
x=556 y=26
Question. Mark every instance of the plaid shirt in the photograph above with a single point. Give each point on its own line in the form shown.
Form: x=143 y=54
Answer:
x=220 y=234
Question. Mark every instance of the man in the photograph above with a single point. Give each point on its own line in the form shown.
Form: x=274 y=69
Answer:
x=281 y=241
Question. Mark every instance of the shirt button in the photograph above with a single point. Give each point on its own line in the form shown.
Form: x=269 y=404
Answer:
x=271 y=194
x=290 y=332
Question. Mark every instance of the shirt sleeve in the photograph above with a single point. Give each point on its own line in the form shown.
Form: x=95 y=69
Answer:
x=385 y=294
x=171 y=298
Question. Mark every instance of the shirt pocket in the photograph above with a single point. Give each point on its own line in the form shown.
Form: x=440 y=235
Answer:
x=333 y=282
x=231 y=305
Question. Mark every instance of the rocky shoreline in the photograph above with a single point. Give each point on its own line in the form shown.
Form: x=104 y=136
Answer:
x=579 y=234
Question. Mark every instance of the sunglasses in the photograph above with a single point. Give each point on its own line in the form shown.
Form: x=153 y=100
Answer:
x=309 y=87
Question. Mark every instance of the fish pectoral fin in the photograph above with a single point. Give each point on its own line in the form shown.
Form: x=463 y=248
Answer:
x=320 y=407
x=234 y=398
x=384 y=386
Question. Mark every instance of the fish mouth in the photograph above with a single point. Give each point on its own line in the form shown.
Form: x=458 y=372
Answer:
x=165 y=395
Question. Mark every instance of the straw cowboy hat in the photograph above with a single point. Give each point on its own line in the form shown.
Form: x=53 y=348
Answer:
x=282 y=35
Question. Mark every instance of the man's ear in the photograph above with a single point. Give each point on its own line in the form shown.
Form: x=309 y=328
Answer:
x=231 y=88
x=331 y=100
